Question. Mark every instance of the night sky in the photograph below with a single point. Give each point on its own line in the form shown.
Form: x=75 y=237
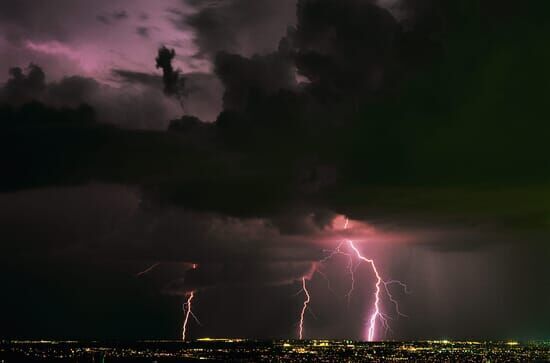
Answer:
x=424 y=123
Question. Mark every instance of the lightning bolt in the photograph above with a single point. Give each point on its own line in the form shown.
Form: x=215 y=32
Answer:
x=376 y=309
x=304 y=308
x=381 y=286
x=376 y=314
x=187 y=308
x=188 y=312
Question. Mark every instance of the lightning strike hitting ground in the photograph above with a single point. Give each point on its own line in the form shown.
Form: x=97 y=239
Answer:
x=304 y=308
x=187 y=308
x=376 y=310
x=188 y=312
x=377 y=316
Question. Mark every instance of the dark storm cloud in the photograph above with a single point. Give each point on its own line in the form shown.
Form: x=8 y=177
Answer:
x=106 y=243
x=203 y=95
x=146 y=79
x=340 y=135
x=56 y=209
x=245 y=78
x=346 y=48
x=23 y=87
x=117 y=228
x=173 y=80
x=244 y=27
x=251 y=273
x=131 y=233
x=142 y=107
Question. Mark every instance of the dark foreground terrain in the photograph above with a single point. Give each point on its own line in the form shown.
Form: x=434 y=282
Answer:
x=237 y=350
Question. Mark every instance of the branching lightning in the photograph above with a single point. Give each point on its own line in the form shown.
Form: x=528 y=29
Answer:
x=376 y=314
x=355 y=258
x=376 y=311
x=377 y=317
x=187 y=308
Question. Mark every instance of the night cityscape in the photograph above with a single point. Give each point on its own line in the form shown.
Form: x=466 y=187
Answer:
x=237 y=350
x=318 y=180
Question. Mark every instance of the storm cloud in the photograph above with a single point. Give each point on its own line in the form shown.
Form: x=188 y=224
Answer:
x=141 y=107
x=422 y=122
x=243 y=27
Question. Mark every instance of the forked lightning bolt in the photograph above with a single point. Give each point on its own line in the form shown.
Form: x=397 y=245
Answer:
x=376 y=316
x=188 y=312
x=187 y=308
x=376 y=309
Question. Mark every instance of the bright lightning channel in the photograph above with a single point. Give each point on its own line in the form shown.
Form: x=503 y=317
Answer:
x=376 y=311
x=187 y=308
x=304 y=308
x=188 y=312
x=376 y=315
